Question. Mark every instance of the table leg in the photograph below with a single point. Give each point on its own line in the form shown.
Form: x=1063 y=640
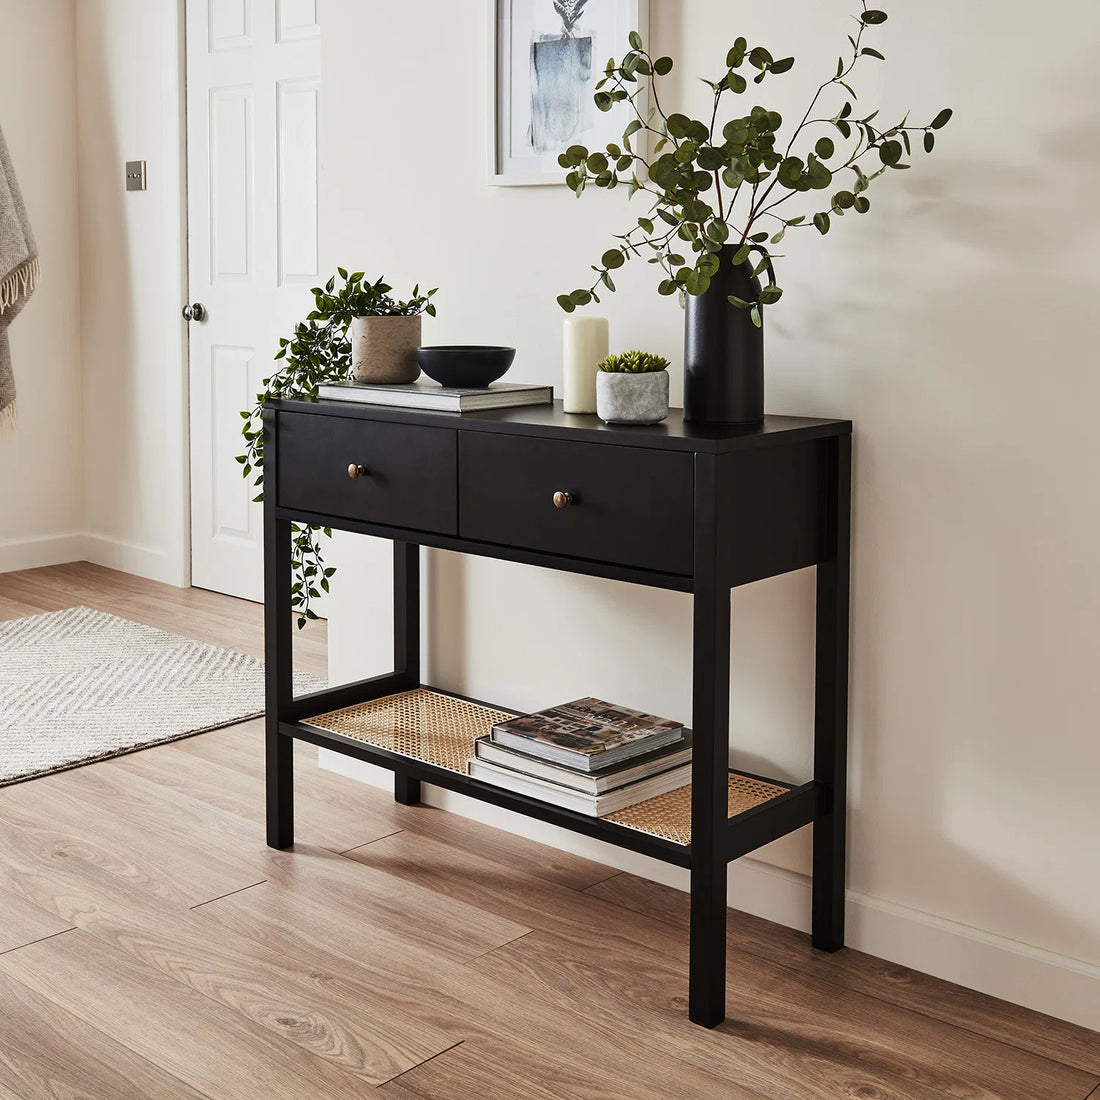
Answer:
x=406 y=642
x=406 y=790
x=709 y=766
x=278 y=658
x=831 y=707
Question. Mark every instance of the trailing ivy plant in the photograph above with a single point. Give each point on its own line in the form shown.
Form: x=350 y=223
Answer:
x=317 y=353
x=715 y=183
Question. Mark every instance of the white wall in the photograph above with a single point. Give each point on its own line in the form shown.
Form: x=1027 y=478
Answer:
x=956 y=326
x=98 y=461
x=39 y=460
x=134 y=485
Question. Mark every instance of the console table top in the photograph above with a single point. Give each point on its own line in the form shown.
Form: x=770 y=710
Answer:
x=549 y=421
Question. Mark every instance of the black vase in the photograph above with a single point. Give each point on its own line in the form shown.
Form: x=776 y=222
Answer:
x=724 y=350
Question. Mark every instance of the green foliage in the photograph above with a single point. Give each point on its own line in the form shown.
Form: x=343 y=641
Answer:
x=713 y=183
x=633 y=362
x=359 y=299
x=318 y=352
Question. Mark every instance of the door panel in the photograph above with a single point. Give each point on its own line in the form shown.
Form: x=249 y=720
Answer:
x=296 y=134
x=253 y=87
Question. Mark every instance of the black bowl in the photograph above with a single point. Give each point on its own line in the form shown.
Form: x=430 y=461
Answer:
x=468 y=366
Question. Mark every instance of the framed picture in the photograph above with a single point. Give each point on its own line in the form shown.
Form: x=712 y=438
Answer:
x=546 y=57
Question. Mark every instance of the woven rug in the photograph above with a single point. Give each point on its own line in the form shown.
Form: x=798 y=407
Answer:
x=80 y=685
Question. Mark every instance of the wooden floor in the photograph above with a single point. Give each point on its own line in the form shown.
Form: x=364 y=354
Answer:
x=152 y=946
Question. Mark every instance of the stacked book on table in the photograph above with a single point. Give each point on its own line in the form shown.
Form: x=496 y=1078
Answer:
x=435 y=398
x=588 y=755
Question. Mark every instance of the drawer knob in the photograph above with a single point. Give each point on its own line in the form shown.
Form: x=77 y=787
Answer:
x=355 y=470
x=562 y=499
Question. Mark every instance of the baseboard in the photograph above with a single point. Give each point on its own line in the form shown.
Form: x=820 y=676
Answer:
x=131 y=557
x=35 y=553
x=1018 y=972
x=126 y=557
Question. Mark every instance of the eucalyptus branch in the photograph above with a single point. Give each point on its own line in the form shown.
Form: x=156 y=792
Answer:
x=690 y=158
x=841 y=71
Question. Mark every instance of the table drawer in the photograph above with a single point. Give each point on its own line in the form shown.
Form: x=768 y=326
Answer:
x=629 y=505
x=409 y=476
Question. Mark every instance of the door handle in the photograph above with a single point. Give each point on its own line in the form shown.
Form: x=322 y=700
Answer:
x=195 y=312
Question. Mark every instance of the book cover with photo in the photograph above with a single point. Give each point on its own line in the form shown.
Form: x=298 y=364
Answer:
x=587 y=734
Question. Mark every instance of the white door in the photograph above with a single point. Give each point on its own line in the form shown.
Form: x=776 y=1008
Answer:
x=253 y=80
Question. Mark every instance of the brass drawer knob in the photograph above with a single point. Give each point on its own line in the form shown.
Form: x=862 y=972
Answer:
x=355 y=470
x=562 y=499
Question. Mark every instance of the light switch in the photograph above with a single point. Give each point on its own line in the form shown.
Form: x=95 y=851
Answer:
x=135 y=175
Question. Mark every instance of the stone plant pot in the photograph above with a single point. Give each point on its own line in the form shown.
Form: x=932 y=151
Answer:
x=632 y=398
x=383 y=349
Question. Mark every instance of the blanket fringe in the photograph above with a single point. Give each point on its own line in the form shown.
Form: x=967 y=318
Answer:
x=19 y=284
x=8 y=418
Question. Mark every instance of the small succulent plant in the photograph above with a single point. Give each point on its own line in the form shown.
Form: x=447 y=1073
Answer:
x=633 y=362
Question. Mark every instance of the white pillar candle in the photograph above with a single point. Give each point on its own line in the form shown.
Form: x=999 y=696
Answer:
x=586 y=343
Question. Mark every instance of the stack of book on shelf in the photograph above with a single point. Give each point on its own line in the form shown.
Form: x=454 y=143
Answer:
x=435 y=398
x=589 y=756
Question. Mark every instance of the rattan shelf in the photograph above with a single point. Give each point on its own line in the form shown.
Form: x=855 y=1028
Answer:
x=438 y=729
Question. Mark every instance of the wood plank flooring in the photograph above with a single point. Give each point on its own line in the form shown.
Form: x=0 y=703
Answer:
x=152 y=946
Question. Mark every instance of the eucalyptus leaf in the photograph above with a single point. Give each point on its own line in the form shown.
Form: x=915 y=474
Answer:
x=696 y=284
x=890 y=152
x=678 y=125
x=734 y=162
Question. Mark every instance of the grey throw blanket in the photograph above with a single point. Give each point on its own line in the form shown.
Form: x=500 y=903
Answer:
x=18 y=272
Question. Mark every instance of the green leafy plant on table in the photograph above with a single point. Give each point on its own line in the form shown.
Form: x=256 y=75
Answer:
x=633 y=362
x=715 y=184
x=317 y=353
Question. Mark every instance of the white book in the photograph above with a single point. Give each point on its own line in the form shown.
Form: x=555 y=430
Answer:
x=592 y=805
x=590 y=783
x=436 y=398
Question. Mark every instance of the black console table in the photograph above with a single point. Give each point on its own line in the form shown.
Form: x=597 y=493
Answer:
x=690 y=508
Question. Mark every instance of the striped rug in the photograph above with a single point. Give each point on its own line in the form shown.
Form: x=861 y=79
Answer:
x=80 y=685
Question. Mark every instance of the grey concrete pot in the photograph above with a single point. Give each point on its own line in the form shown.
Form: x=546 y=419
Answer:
x=383 y=349
x=632 y=398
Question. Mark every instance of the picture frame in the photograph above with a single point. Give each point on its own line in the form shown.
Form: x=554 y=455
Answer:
x=541 y=80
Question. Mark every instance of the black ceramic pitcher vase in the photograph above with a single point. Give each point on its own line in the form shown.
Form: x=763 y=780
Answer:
x=724 y=350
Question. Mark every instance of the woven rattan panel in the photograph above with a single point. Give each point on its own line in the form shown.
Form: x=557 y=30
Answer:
x=441 y=730
x=669 y=815
x=438 y=729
